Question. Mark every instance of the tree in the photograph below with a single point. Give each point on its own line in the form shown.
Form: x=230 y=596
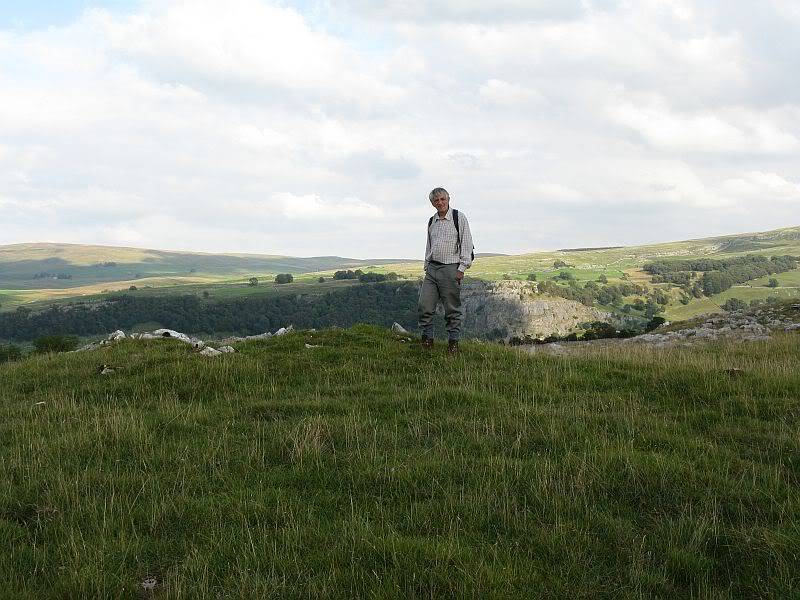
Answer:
x=734 y=304
x=284 y=278
x=651 y=309
x=371 y=277
x=321 y=280
x=532 y=277
x=55 y=343
x=602 y=278
x=133 y=288
x=773 y=283
x=206 y=294
x=559 y=264
x=252 y=282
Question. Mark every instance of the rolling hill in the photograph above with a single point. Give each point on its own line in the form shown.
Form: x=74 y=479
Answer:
x=29 y=273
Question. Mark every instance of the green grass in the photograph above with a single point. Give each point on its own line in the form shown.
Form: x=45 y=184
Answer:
x=365 y=468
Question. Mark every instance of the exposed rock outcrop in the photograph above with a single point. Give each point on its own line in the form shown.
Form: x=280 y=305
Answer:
x=751 y=325
x=508 y=309
x=197 y=344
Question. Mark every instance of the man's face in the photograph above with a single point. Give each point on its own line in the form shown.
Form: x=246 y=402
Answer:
x=441 y=202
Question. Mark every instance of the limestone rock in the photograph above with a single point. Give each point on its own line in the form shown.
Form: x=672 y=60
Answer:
x=508 y=309
x=171 y=333
x=397 y=328
x=209 y=351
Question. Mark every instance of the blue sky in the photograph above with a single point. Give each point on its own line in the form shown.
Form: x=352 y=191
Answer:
x=319 y=127
x=36 y=14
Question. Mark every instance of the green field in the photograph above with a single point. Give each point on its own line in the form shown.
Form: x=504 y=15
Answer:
x=366 y=468
x=754 y=290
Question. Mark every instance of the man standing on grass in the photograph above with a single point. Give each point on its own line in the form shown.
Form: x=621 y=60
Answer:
x=448 y=254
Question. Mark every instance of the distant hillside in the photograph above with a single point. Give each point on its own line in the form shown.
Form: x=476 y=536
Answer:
x=37 y=274
x=37 y=266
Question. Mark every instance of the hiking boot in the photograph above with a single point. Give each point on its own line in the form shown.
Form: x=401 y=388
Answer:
x=452 y=347
x=427 y=343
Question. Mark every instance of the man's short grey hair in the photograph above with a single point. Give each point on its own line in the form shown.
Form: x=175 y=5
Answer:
x=438 y=192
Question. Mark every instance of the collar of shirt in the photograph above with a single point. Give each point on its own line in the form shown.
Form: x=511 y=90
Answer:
x=447 y=217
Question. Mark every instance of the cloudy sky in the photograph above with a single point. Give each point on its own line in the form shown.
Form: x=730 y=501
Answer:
x=319 y=126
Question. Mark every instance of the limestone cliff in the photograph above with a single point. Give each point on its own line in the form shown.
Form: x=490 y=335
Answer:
x=507 y=309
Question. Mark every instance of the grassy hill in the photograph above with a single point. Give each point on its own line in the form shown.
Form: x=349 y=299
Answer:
x=88 y=265
x=225 y=276
x=364 y=468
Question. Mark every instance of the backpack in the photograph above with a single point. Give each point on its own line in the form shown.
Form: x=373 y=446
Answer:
x=458 y=231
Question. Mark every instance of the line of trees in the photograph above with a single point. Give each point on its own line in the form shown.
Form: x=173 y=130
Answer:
x=379 y=304
x=718 y=275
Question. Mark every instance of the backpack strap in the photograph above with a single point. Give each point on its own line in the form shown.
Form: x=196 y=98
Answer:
x=458 y=232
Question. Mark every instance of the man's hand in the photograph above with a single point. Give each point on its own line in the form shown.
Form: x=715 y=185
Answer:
x=459 y=276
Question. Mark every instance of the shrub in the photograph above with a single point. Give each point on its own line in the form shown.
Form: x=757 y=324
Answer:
x=734 y=304
x=532 y=277
x=252 y=282
x=371 y=277
x=284 y=278
x=55 y=343
x=559 y=264
x=773 y=283
x=599 y=330
x=654 y=322
x=602 y=279
x=9 y=353
x=321 y=280
x=348 y=274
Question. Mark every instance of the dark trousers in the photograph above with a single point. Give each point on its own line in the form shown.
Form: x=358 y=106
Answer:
x=440 y=284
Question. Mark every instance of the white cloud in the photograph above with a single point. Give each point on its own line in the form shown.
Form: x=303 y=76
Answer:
x=508 y=94
x=255 y=126
x=465 y=10
x=312 y=207
x=763 y=188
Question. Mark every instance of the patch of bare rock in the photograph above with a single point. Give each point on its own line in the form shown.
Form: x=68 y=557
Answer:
x=751 y=325
x=203 y=348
